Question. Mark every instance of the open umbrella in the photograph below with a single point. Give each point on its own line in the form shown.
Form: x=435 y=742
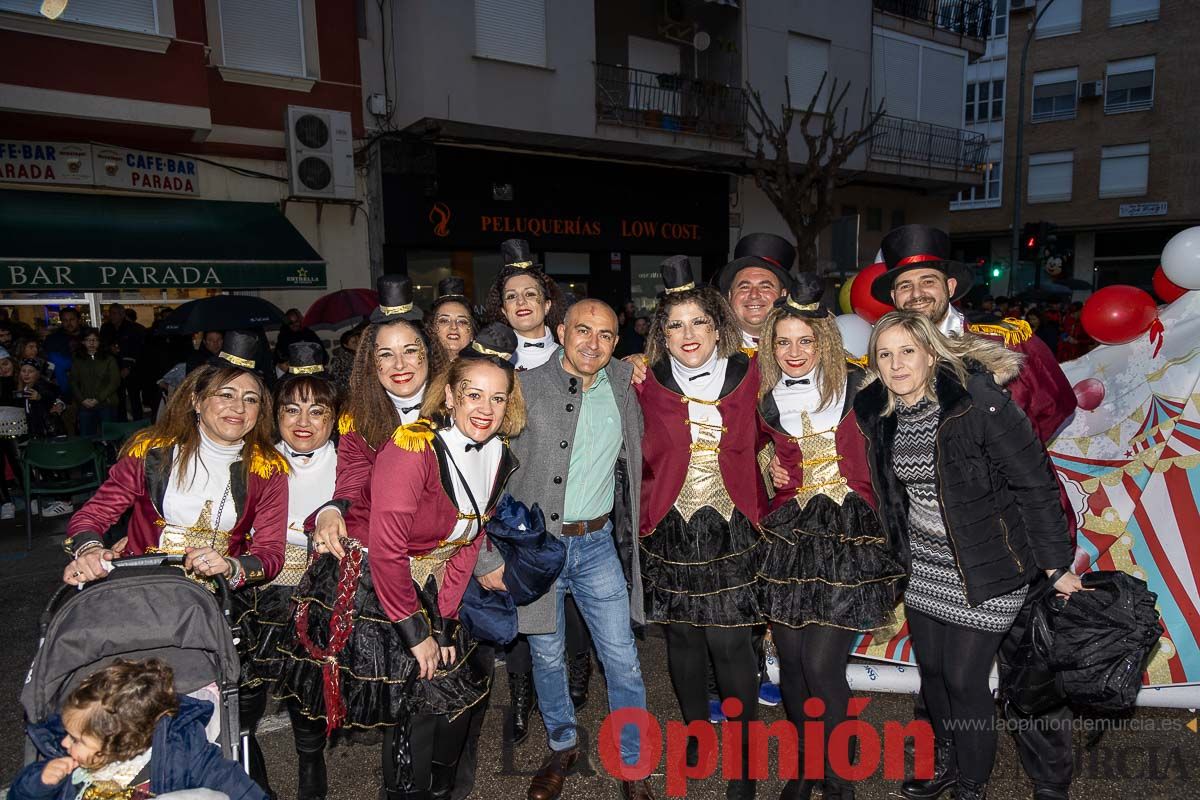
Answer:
x=337 y=308
x=222 y=313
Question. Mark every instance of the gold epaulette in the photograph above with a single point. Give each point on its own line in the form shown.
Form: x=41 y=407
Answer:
x=750 y=352
x=265 y=464
x=1013 y=331
x=144 y=443
x=415 y=436
x=345 y=424
x=858 y=362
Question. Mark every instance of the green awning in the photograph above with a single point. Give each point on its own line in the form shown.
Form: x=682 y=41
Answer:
x=51 y=241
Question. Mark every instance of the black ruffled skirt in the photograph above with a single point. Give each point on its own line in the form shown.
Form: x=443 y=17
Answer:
x=702 y=572
x=378 y=674
x=827 y=564
x=264 y=615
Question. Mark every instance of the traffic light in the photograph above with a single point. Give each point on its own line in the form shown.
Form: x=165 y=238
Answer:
x=1031 y=240
x=997 y=270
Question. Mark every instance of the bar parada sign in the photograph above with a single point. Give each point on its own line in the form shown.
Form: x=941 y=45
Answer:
x=43 y=276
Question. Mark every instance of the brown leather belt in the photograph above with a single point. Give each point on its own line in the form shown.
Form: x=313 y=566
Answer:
x=584 y=527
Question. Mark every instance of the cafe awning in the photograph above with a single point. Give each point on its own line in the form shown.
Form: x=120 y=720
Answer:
x=53 y=241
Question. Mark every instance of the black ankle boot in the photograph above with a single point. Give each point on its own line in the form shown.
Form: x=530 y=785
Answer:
x=969 y=790
x=798 y=789
x=313 y=783
x=945 y=773
x=579 y=674
x=441 y=785
x=520 y=688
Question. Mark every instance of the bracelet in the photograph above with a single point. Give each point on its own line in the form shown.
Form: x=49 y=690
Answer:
x=86 y=546
x=236 y=578
x=1057 y=574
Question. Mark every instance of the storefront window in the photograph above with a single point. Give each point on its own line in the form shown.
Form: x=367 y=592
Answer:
x=477 y=269
x=647 y=282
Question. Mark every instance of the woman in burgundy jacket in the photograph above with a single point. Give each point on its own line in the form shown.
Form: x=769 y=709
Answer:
x=205 y=482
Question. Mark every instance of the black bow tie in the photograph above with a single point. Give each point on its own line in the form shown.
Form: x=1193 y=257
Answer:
x=701 y=375
x=793 y=381
x=300 y=455
x=408 y=409
x=476 y=446
x=533 y=344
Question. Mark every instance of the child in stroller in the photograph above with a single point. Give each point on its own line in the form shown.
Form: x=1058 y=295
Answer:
x=125 y=733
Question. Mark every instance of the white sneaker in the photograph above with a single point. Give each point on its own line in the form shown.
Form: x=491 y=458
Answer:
x=56 y=508
x=33 y=506
x=8 y=511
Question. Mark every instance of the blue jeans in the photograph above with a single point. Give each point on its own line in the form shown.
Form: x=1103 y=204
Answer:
x=592 y=574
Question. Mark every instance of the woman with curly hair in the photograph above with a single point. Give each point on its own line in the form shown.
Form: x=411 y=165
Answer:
x=205 y=482
x=450 y=322
x=702 y=498
x=378 y=639
x=529 y=300
x=829 y=572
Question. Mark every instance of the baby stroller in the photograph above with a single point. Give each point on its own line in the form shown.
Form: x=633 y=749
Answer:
x=145 y=608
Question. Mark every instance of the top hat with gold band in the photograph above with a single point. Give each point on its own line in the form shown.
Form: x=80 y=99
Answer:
x=677 y=275
x=452 y=288
x=306 y=358
x=239 y=349
x=496 y=343
x=804 y=298
x=515 y=254
x=919 y=247
x=762 y=250
x=395 y=299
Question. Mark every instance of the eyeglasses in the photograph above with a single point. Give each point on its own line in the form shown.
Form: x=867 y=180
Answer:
x=452 y=322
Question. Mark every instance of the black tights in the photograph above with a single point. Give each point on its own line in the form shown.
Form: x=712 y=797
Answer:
x=433 y=740
x=734 y=663
x=812 y=663
x=309 y=734
x=955 y=663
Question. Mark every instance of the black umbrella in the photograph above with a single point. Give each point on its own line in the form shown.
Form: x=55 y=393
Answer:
x=1103 y=639
x=224 y=312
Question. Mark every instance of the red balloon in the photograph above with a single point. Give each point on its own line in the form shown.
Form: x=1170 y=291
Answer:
x=1089 y=393
x=1167 y=291
x=1118 y=314
x=861 y=300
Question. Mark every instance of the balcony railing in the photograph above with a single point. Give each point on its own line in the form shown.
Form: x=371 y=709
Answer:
x=913 y=142
x=641 y=99
x=965 y=17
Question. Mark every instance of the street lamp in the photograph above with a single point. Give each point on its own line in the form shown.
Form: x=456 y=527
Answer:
x=1015 y=246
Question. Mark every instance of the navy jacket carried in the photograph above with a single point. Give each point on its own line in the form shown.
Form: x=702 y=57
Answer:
x=999 y=498
x=182 y=758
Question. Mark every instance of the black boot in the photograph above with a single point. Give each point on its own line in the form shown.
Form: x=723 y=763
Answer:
x=969 y=790
x=945 y=773
x=693 y=752
x=520 y=687
x=441 y=785
x=798 y=789
x=838 y=790
x=313 y=783
x=579 y=674
x=258 y=766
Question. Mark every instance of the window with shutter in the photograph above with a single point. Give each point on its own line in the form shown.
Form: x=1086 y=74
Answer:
x=1064 y=17
x=1050 y=176
x=808 y=63
x=1131 y=12
x=263 y=36
x=1129 y=85
x=511 y=30
x=897 y=64
x=1054 y=94
x=1124 y=170
x=941 y=87
x=128 y=15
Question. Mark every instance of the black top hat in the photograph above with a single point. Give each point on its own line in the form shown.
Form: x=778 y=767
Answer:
x=452 y=288
x=495 y=343
x=919 y=247
x=395 y=299
x=515 y=254
x=763 y=250
x=306 y=358
x=677 y=275
x=804 y=298
x=239 y=349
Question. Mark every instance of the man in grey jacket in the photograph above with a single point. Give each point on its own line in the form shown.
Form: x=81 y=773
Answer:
x=582 y=463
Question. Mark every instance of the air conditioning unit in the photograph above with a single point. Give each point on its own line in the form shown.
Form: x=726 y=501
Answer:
x=1091 y=90
x=320 y=149
x=1021 y=5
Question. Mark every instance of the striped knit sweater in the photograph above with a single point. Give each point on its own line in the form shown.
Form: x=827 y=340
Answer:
x=935 y=587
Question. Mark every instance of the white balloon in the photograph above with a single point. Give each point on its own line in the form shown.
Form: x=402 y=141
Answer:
x=856 y=331
x=1181 y=258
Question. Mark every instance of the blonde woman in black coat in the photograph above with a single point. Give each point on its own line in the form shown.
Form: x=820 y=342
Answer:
x=968 y=496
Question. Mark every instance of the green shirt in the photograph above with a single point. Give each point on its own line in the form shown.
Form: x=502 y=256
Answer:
x=591 y=473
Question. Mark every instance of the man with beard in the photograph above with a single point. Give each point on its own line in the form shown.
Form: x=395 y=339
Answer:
x=922 y=277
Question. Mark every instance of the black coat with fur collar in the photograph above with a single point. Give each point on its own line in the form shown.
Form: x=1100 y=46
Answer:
x=999 y=498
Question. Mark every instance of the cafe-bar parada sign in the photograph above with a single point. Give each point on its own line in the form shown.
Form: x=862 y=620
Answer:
x=98 y=165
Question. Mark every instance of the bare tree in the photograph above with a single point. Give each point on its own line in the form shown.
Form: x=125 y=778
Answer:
x=802 y=190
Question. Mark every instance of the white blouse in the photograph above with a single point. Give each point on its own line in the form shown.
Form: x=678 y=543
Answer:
x=207 y=480
x=535 y=352
x=310 y=485
x=702 y=383
x=802 y=398
x=409 y=408
x=479 y=467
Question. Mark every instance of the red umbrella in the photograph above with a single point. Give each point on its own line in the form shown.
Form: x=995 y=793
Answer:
x=337 y=308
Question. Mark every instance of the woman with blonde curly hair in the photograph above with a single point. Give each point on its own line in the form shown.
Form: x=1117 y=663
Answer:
x=829 y=572
x=969 y=499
